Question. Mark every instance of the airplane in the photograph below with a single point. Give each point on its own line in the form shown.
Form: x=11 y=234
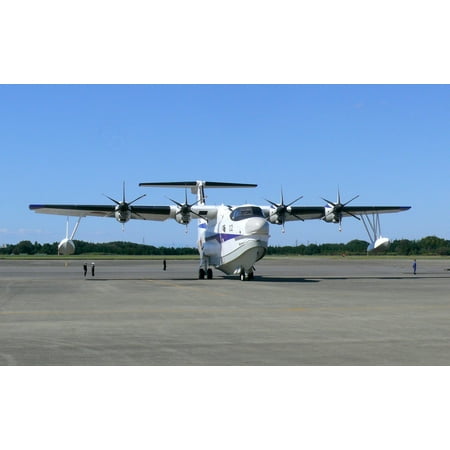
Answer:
x=230 y=238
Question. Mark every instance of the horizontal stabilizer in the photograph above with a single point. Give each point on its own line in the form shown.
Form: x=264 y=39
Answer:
x=208 y=184
x=198 y=187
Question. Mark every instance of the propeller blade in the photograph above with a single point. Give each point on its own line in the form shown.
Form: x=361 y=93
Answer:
x=176 y=203
x=115 y=201
x=137 y=214
x=328 y=201
x=198 y=215
x=297 y=217
x=295 y=201
x=272 y=203
x=345 y=204
x=338 y=209
x=136 y=199
x=124 y=206
x=350 y=214
x=281 y=209
x=186 y=208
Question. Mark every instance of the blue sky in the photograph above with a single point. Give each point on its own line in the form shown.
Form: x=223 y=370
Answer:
x=71 y=143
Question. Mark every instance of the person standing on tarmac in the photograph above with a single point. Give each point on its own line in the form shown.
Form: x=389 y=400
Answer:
x=85 y=269
x=93 y=269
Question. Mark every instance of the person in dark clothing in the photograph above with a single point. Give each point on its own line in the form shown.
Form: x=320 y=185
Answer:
x=85 y=269
x=93 y=269
x=164 y=264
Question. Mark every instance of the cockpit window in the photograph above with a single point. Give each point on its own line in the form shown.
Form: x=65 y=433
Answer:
x=245 y=212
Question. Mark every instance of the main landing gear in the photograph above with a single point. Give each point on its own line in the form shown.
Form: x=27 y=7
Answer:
x=208 y=274
x=202 y=273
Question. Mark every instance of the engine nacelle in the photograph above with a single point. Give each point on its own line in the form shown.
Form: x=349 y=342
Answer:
x=331 y=218
x=66 y=247
x=122 y=214
x=275 y=219
x=330 y=215
x=184 y=219
x=380 y=245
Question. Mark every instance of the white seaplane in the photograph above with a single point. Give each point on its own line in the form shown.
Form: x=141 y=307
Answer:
x=230 y=238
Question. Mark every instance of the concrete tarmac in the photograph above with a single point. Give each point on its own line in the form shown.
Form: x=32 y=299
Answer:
x=297 y=311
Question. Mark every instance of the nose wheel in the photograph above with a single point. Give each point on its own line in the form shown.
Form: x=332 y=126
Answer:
x=246 y=276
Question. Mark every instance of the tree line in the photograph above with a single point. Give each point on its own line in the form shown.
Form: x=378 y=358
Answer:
x=430 y=245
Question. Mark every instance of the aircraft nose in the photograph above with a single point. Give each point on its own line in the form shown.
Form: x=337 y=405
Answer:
x=256 y=225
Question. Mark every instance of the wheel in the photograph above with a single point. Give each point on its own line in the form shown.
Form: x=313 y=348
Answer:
x=243 y=278
x=209 y=274
x=201 y=274
x=250 y=275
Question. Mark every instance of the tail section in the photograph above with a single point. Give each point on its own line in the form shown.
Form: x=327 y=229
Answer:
x=198 y=187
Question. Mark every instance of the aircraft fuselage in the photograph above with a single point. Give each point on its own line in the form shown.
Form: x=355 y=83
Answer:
x=234 y=240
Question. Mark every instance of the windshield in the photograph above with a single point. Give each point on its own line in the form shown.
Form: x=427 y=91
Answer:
x=245 y=212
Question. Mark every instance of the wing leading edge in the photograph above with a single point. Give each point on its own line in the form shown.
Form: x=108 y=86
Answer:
x=165 y=212
x=138 y=212
x=318 y=212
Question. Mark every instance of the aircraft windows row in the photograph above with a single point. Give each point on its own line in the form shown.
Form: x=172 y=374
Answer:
x=245 y=212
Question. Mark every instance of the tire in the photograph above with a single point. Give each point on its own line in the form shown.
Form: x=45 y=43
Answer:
x=201 y=274
x=209 y=274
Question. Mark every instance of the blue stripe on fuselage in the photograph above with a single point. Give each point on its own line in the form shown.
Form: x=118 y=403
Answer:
x=221 y=237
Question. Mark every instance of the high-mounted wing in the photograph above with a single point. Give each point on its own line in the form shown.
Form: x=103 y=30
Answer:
x=137 y=212
x=359 y=210
x=157 y=213
x=292 y=213
x=280 y=213
x=123 y=211
x=304 y=212
x=320 y=212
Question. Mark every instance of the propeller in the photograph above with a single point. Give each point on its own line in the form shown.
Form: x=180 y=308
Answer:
x=185 y=210
x=281 y=209
x=339 y=209
x=124 y=209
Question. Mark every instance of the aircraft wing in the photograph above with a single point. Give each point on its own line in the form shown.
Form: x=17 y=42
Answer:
x=318 y=212
x=304 y=212
x=137 y=212
x=361 y=210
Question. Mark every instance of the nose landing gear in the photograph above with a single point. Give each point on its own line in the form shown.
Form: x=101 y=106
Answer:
x=246 y=276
